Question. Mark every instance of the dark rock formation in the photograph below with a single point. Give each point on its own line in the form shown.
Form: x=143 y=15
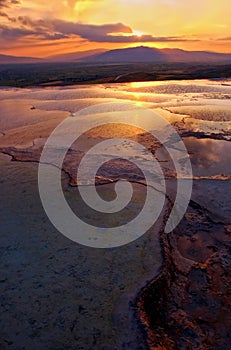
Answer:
x=188 y=305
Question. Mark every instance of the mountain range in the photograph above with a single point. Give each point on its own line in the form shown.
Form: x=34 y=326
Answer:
x=136 y=54
x=6 y=59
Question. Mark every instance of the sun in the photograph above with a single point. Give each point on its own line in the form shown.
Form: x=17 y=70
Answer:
x=137 y=33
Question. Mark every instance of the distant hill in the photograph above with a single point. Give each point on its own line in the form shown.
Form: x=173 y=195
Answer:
x=139 y=54
x=74 y=56
x=6 y=59
x=177 y=55
x=134 y=54
x=147 y=54
x=67 y=57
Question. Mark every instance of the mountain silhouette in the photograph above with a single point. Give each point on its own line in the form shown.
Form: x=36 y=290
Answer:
x=139 y=54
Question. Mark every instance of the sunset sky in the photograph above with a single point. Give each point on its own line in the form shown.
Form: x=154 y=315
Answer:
x=42 y=28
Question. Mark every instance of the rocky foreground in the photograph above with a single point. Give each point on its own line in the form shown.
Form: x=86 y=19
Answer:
x=165 y=291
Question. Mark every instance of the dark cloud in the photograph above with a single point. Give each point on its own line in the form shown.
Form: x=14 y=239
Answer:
x=14 y=33
x=3 y=3
x=98 y=33
x=106 y=33
x=60 y=29
x=8 y=3
x=57 y=29
x=71 y=28
x=4 y=14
